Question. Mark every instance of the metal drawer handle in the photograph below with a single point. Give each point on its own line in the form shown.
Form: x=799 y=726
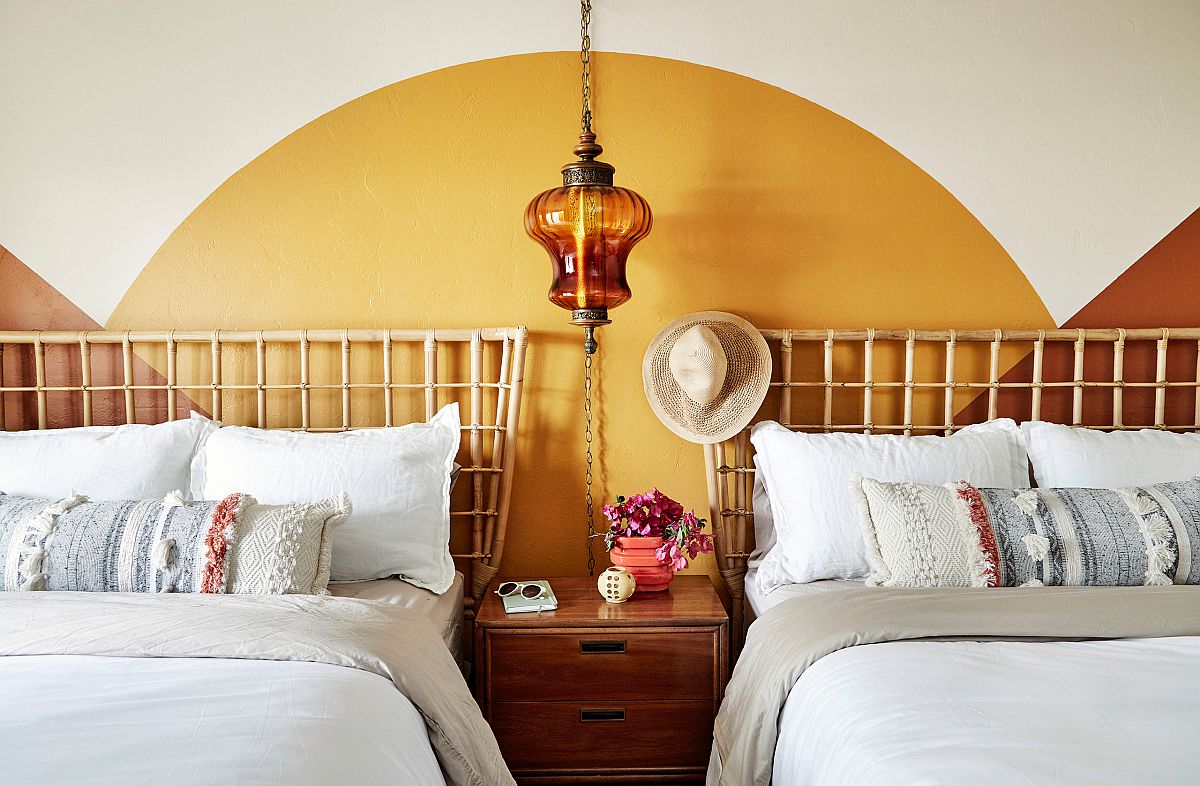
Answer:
x=602 y=645
x=601 y=715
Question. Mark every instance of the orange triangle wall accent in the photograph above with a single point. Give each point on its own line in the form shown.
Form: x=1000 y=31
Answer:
x=29 y=302
x=1162 y=289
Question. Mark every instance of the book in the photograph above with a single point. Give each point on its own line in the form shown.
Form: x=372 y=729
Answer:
x=515 y=604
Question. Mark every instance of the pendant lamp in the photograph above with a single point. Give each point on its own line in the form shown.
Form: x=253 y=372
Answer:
x=588 y=226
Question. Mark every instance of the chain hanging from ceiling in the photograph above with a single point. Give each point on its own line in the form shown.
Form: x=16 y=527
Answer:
x=585 y=58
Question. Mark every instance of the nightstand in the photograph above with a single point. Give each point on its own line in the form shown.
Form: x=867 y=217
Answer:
x=596 y=692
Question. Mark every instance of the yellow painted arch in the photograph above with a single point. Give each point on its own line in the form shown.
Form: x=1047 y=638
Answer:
x=403 y=208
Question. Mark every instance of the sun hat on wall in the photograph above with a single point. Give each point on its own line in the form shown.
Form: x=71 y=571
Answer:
x=706 y=374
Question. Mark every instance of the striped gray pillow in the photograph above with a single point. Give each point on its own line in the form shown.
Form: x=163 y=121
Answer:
x=959 y=535
x=231 y=545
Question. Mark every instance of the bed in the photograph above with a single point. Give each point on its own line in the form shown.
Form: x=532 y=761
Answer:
x=838 y=682
x=363 y=684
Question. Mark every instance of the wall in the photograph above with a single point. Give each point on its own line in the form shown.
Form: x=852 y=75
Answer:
x=809 y=165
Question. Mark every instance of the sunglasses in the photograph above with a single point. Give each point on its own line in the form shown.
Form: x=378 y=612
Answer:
x=528 y=590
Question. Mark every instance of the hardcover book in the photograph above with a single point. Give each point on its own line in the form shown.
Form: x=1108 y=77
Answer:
x=515 y=604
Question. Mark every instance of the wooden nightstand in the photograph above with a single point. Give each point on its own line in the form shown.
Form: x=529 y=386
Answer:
x=595 y=692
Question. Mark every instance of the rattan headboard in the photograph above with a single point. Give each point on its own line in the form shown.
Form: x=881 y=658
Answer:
x=310 y=380
x=937 y=381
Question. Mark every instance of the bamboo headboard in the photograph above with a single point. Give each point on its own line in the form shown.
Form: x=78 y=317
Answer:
x=936 y=382
x=306 y=380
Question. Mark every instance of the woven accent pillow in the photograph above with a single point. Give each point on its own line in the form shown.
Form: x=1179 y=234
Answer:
x=957 y=535
x=233 y=545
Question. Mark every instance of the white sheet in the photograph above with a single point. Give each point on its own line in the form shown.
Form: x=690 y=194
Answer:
x=1105 y=712
x=445 y=611
x=761 y=601
x=85 y=719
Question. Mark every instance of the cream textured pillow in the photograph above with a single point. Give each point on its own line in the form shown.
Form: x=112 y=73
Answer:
x=920 y=535
x=284 y=549
x=233 y=545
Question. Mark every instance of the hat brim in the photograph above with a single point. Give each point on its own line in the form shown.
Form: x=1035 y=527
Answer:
x=747 y=379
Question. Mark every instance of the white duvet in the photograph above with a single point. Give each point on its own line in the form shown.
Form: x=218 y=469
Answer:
x=236 y=690
x=911 y=712
x=88 y=719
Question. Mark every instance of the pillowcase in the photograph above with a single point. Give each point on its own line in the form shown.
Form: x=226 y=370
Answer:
x=397 y=478
x=233 y=545
x=806 y=476
x=103 y=462
x=957 y=535
x=1085 y=458
x=764 y=518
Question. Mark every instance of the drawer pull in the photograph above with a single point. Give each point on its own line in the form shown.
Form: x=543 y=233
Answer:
x=601 y=646
x=601 y=715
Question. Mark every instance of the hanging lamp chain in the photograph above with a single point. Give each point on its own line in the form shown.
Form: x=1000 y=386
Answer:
x=585 y=57
x=587 y=469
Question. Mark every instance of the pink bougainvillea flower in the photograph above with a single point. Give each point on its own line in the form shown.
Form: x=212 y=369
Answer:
x=654 y=514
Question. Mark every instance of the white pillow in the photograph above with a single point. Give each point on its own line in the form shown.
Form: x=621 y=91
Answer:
x=102 y=462
x=1065 y=457
x=764 y=518
x=808 y=476
x=398 y=481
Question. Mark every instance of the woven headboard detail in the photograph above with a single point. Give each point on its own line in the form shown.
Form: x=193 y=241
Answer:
x=309 y=380
x=936 y=382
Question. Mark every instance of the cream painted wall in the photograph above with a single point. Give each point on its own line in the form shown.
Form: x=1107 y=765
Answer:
x=1068 y=127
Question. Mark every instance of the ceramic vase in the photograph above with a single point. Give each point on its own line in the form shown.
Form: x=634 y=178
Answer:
x=616 y=584
x=637 y=556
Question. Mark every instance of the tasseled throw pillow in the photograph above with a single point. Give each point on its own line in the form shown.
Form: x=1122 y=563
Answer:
x=957 y=535
x=232 y=545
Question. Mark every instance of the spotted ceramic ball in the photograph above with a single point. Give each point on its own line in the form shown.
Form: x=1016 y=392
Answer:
x=616 y=585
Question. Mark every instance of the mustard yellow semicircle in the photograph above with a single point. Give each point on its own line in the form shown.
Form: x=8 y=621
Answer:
x=403 y=208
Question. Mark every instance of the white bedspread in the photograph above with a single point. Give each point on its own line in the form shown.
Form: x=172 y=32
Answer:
x=1102 y=712
x=294 y=690
x=87 y=719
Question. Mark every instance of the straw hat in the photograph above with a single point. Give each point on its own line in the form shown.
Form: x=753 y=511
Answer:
x=706 y=374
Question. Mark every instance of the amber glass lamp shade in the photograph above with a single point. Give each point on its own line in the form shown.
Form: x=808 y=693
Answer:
x=588 y=226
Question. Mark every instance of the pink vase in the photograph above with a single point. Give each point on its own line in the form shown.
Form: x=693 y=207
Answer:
x=637 y=556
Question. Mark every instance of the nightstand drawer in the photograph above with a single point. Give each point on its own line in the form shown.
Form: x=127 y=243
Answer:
x=608 y=736
x=678 y=665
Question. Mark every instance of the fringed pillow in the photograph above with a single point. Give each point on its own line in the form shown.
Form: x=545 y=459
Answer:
x=958 y=535
x=233 y=545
